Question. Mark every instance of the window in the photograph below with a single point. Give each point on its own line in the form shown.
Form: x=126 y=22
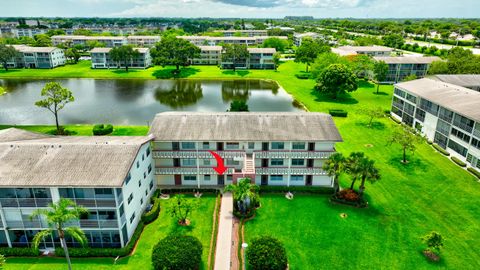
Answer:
x=148 y=151
x=295 y=178
x=121 y=210
x=229 y=178
x=205 y=145
x=231 y=145
x=440 y=140
x=457 y=148
x=420 y=115
x=399 y=92
x=143 y=157
x=276 y=177
x=132 y=217
x=189 y=177
x=149 y=168
x=443 y=127
x=298 y=146
x=298 y=162
x=188 y=145
x=411 y=98
x=206 y=177
x=103 y=191
x=251 y=145
x=139 y=183
x=130 y=198
x=278 y=145
x=276 y=162
x=129 y=176
x=189 y=162
x=429 y=106
x=138 y=164
x=141 y=201
x=457 y=133
x=463 y=123
x=150 y=186
x=445 y=115
x=409 y=108
x=206 y=162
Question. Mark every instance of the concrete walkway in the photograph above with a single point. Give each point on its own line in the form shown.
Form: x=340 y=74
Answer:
x=224 y=237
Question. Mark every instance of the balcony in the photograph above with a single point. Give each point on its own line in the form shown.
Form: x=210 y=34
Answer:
x=188 y=170
x=24 y=202
x=92 y=203
x=292 y=170
x=195 y=154
x=294 y=154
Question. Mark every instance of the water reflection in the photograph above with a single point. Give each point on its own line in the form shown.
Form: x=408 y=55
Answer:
x=182 y=93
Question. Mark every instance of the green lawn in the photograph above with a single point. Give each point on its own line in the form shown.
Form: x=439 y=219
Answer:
x=200 y=227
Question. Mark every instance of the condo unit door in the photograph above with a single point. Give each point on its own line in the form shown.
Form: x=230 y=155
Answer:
x=178 y=180
x=221 y=180
x=309 y=180
x=220 y=147
x=309 y=163
x=311 y=146
x=264 y=180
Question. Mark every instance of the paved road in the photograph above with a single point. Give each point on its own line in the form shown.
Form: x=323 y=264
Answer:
x=224 y=237
x=440 y=46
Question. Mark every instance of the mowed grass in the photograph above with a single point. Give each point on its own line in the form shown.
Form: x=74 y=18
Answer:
x=201 y=227
x=83 y=130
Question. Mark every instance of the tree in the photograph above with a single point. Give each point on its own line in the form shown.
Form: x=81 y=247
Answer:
x=276 y=60
x=366 y=172
x=181 y=209
x=56 y=97
x=326 y=59
x=309 y=50
x=2 y=261
x=361 y=65
x=177 y=252
x=7 y=53
x=393 y=40
x=235 y=53
x=267 y=253
x=336 y=79
x=380 y=71
x=125 y=54
x=410 y=77
x=434 y=242
x=174 y=51
x=406 y=138
x=438 y=67
x=373 y=113
x=352 y=166
x=72 y=54
x=334 y=166
x=245 y=195
x=238 y=106
x=94 y=44
x=42 y=40
x=273 y=42
x=57 y=216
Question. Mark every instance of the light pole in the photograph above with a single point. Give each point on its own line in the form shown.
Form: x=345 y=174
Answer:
x=244 y=247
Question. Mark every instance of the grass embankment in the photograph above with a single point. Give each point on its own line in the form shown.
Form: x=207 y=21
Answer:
x=84 y=130
x=201 y=227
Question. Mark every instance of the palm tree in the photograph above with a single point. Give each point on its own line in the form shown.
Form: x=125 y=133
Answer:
x=57 y=216
x=352 y=166
x=367 y=171
x=334 y=166
x=244 y=193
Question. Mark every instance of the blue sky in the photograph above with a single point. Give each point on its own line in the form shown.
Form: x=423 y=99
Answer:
x=242 y=8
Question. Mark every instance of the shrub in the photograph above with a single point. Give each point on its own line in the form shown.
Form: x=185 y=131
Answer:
x=177 y=252
x=348 y=195
x=189 y=190
x=338 y=113
x=440 y=149
x=152 y=215
x=101 y=129
x=474 y=172
x=459 y=162
x=296 y=189
x=267 y=253
x=19 y=252
x=302 y=76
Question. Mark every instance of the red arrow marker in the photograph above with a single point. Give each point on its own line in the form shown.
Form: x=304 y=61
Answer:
x=220 y=169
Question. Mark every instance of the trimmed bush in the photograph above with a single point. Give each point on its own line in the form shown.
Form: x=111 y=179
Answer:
x=470 y=169
x=177 y=252
x=440 y=149
x=459 y=162
x=266 y=253
x=101 y=129
x=302 y=76
x=190 y=190
x=338 y=113
x=296 y=189
x=104 y=252
x=19 y=252
x=152 y=215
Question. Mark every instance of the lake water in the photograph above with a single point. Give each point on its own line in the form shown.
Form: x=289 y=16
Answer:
x=135 y=102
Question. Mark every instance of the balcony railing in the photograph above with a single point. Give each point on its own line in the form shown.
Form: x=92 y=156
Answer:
x=285 y=170
x=195 y=154
x=25 y=202
x=92 y=203
x=293 y=154
x=188 y=170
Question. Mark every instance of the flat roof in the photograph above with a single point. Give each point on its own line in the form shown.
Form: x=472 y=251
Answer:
x=465 y=80
x=261 y=50
x=82 y=161
x=143 y=37
x=25 y=48
x=106 y=50
x=407 y=60
x=244 y=126
x=456 y=98
x=374 y=48
x=210 y=48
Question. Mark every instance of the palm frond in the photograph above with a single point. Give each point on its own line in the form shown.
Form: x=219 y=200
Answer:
x=39 y=237
x=77 y=234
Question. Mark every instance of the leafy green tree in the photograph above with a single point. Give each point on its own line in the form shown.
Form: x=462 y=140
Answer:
x=410 y=77
x=42 y=40
x=181 y=208
x=352 y=166
x=276 y=60
x=56 y=97
x=361 y=65
x=373 y=113
x=7 y=53
x=393 y=40
x=58 y=215
x=174 y=51
x=336 y=79
x=235 y=53
x=238 y=106
x=380 y=71
x=434 y=242
x=438 y=67
x=124 y=54
x=279 y=44
x=334 y=166
x=366 y=171
x=267 y=253
x=245 y=195
x=326 y=59
x=406 y=138
x=94 y=44
x=73 y=55
x=309 y=50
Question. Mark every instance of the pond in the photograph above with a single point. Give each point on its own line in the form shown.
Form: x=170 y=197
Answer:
x=135 y=102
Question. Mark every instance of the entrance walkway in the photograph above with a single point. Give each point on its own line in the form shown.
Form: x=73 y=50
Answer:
x=224 y=237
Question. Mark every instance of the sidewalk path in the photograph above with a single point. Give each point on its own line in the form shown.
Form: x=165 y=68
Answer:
x=224 y=237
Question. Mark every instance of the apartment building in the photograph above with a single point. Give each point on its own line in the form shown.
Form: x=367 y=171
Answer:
x=215 y=41
x=110 y=176
x=209 y=55
x=108 y=41
x=271 y=148
x=445 y=113
x=366 y=50
x=259 y=58
x=400 y=67
x=298 y=37
x=37 y=57
x=248 y=33
x=101 y=59
x=471 y=81
x=27 y=32
x=143 y=41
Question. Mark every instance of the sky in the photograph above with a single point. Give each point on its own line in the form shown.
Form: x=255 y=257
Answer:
x=242 y=8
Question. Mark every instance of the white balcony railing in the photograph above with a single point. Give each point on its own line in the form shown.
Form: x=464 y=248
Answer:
x=285 y=170
x=195 y=154
x=188 y=170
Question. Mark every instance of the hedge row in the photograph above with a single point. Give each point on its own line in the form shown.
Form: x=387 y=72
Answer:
x=152 y=215
x=296 y=189
x=474 y=172
x=459 y=162
x=101 y=129
x=440 y=149
x=19 y=252
x=302 y=76
x=190 y=190
x=338 y=113
x=104 y=252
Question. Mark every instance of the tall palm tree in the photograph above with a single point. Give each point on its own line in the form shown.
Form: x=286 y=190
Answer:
x=334 y=166
x=367 y=171
x=352 y=166
x=244 y=193
x=57 y=217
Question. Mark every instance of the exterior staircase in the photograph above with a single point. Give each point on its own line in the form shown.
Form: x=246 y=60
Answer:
x=248 y=169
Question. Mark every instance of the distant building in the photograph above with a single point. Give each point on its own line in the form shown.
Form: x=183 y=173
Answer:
x=108 y=41
x=215 y=41
x=445 y=113
x=37 y=57
x=400 y=67
x=249 y=33
x=298 y=37
x=471 y=81
x=209 y=55
x=366 y=50
x=260 y=58
x=27 y=32
x=143 y=41
x=101 y=59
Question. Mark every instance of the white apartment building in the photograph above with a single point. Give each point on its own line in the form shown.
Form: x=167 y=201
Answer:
x=271 y=148
x=399 y=67
x=248 y=33
x=37 y=57
x=27 y=32
x=209 y=55
x=215 y=41
x=366 y=50
x=111 y=176
x=259 y=58
x=101 y=59
x=143 y=41
x=445 y=113
x=109 y=41
x=298 y=37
